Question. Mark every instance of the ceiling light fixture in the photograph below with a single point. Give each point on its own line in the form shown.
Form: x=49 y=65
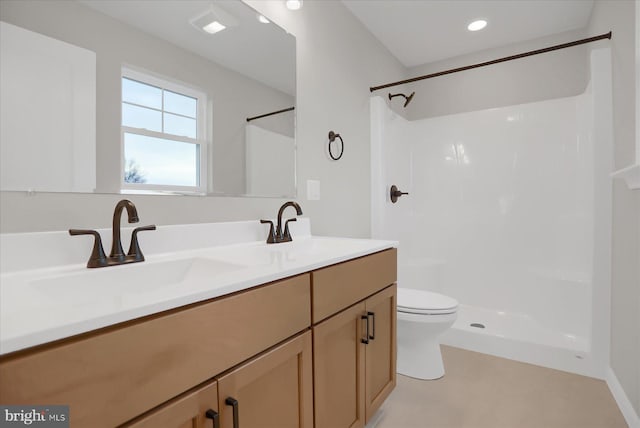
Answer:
x=294 y=4
x=213 y=20
x=213 y=27
x=263 y=19
x=477 y=25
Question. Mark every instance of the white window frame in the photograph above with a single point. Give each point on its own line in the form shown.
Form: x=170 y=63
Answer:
x=201 y=134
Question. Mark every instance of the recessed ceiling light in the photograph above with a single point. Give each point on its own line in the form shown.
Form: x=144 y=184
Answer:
x=263 y=19
x=477 y=25
x=294 y=4
x=213 y=27
x=213 y=20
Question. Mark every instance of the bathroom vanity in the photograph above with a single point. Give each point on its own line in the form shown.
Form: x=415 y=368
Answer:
x=303 y=335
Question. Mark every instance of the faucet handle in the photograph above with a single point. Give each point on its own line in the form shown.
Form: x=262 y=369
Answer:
x=97 y=258
x=272 y=238
x=134 y=248
x=286 y=235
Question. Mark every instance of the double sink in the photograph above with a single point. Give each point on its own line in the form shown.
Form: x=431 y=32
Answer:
x=42 y=304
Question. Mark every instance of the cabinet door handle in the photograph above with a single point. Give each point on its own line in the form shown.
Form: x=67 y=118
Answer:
x=230 y=401
x=365 y=318
x=373 y=325
x=212 y=414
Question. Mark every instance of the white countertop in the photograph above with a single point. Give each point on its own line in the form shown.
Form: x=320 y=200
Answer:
x=46 y=304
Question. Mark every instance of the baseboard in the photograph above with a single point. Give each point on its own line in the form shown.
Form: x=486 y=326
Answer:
x=622 y=400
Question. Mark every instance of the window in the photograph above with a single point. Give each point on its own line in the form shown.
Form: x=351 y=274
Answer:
x=163 y=135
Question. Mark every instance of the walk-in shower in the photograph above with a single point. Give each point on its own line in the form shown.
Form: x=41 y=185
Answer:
x=507 y=213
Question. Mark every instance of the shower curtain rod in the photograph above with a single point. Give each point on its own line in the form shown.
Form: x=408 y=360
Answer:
x=249 y=119
x=495 y=61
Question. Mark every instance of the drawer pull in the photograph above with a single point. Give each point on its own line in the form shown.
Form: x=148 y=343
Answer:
x=212 y=414
x=373 y=325
x=230 y=401
x=365 y=318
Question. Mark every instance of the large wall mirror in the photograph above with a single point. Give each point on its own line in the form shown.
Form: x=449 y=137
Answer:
x=140 y=96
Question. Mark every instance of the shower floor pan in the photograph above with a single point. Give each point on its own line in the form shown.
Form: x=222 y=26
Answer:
x=519 y=337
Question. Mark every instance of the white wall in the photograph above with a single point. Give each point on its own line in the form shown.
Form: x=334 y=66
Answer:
x=555 y=74
x=59 y=155
x=337 y=60
x=618 y=16
x=270 y=162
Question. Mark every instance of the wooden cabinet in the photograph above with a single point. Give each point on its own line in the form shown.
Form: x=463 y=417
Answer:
x=276 y=350
x=113 y=375
x=272 y=390
x=355 y=364
x=355 y=348
x=275 y=390
x=197 y=409
x=380 y=352
x=337 y=287
x=339 y=363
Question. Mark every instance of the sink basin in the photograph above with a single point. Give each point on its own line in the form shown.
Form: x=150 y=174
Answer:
x=135 y=278
x=318 y=247
x=307 y=251
x=120 y=284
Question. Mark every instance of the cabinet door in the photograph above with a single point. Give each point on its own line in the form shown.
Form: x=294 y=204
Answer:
x=274 y=390
x=339 y=369
x=196 y=409
x=380 y=352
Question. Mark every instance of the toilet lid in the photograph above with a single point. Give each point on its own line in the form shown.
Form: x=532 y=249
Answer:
x=425 y=302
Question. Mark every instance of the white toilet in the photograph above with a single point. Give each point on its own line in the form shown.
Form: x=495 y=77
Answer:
x=422 y=317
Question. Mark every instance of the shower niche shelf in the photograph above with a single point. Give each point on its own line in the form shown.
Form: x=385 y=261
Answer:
x=630 y=174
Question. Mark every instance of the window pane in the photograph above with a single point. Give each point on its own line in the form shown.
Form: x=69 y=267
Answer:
x=178 y=125
x=180 y=104
x=139 y=93
x=141 y=117
x=152 y=160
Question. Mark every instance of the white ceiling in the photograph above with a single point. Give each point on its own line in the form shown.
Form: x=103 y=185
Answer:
x=417 y=32
x=264 y=52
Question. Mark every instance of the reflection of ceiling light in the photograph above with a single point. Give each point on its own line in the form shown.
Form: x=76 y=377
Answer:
x=294 y=4
x=263 y=19
x=213 y=27
x=213 y=20
x=477 y=25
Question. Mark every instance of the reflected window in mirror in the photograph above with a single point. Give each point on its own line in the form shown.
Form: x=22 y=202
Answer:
x=164 y=142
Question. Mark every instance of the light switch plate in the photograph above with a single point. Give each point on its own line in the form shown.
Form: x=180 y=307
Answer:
x=313 y=190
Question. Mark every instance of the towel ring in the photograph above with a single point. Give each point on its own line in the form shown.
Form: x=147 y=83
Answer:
x=332 y=138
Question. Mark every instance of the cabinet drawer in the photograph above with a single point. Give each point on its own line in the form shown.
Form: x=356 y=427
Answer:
x=118 y=373
x=339 y=286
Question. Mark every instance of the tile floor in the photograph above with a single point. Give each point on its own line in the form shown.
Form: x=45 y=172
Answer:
x=482 y=391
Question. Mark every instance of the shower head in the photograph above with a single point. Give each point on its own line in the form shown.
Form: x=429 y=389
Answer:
x=407 y=98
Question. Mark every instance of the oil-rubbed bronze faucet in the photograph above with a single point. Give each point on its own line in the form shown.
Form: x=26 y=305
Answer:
x=278 y=235
x=117 y=256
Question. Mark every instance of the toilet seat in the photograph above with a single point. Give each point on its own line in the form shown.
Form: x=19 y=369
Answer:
x=422 y=302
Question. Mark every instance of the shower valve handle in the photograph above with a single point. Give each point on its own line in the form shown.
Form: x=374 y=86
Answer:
x=395 y=193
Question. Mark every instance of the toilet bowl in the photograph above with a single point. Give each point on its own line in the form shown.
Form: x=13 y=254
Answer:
x=422 y=317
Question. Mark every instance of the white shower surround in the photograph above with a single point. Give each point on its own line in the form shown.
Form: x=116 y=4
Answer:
x=504 y=213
